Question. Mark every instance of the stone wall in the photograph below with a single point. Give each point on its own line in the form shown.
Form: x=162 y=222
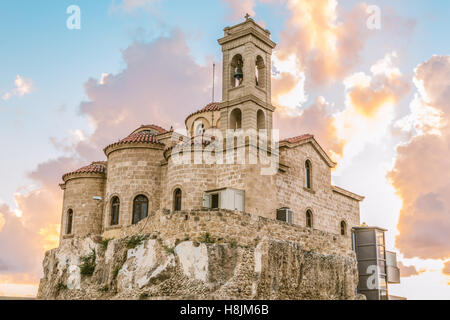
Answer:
x=232 y=226
x=131 y=172
x=328 y=207
x=79 y=191
x=244 y=257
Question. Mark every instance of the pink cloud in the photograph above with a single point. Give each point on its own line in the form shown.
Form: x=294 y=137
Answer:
x=421 y=175
x=161 y=84
x=407 y=271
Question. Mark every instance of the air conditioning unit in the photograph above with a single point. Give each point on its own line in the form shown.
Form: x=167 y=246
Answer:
x=285 y=215
x=226 y=198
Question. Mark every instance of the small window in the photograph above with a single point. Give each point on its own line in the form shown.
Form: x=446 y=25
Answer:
x=285 y=215
x=200 y=129
x=69 y=221
x=115 y=207
x=309 y=219
x=308 y=174
x=177 y=199
x=214 y=201
x=343 y=228
x=140 y=208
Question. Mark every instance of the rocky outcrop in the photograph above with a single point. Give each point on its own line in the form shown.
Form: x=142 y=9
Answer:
x=146 y=267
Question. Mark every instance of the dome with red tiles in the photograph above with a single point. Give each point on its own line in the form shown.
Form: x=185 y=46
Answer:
x=151 y=127
x=143 y=136
x=98 y=167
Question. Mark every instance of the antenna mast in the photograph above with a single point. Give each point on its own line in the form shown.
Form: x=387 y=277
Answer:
x=214 y=78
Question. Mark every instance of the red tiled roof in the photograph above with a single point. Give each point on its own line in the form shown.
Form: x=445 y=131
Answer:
x=213 y=106
x=138 y=137
x=159 y=129
x=94 y=167
x=298 y=138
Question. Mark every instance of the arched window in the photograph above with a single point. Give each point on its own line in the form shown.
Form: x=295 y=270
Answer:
x=200 y=130
x=140 y=208
x=236 y=74
x=308 y=174
x=69 y=221
x=115 y=206
x=260 y=70
x=309 y=219
x=343 y=228
x=177 y=200
x=236 y=119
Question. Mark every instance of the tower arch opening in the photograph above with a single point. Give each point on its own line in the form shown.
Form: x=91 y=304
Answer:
x=236 y=119
x=236 y=71
x=260 y=72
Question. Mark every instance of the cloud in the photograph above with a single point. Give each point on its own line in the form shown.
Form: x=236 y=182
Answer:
x=144 y=92
x=370 y=102
x=27 y=232
x=22 y=87
x=421 y=174
x=239 y=8
x=407 y=271
x=446 y=269
x=316 y=119
x=131 y=5
x=160 y=84
x=326 y=41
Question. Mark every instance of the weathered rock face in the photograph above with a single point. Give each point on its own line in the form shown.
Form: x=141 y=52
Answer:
x=146 y=267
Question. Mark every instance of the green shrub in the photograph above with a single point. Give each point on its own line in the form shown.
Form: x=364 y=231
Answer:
x=116 y=272
x=135 y=241
x=233 y=244
x=104 y=243
x=87 y=265
x=169 y=250
x=60 y=287
x=206 y=238
x=143 y=296
x=104 y=288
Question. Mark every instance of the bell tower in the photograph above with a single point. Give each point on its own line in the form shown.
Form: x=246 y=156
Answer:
x=246 y=80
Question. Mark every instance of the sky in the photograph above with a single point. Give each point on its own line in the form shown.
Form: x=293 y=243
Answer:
x=371 y=80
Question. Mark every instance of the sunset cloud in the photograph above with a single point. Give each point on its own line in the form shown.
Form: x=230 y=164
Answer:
x=421 y=173
x=326 y=43
x=407 y=271
x=316 y=119
x=22 y=87
x=144 y=92
x=239 y=8
x=446 y=269
x=26 y=233
x=117 y=104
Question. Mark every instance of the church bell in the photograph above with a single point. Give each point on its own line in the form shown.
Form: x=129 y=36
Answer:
x=239 y=75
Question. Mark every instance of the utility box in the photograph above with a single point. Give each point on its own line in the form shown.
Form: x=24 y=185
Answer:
x=392 y=270
x=225 y=198
x=369 y=245
x=285 y=215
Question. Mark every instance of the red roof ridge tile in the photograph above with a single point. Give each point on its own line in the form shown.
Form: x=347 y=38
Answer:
x=212 y=106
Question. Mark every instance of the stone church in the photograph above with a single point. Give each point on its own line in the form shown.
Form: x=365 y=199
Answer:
x=143 y=174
